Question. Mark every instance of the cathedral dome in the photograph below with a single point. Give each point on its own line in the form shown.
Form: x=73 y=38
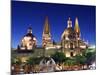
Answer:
x=30 y=35
x=68 y=33
x=29 y=41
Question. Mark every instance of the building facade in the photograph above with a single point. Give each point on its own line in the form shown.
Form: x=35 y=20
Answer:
x=71 y=41
x=29 y=41
x=70 y=44
x=46 y=36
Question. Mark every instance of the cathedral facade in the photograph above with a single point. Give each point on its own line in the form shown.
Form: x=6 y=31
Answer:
x=71 y=41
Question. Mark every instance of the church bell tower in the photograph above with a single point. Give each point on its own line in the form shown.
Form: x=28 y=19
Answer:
x=46 y=36
x=77 y=32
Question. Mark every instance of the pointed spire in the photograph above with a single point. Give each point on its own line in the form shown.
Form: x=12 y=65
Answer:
x=46 y=26
x=76 y=28
x=69 y=23
x=46 y=37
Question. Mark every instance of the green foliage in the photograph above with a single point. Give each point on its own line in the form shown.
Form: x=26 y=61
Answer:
x=59 y=57
x=34 y=60
x=86 y=58
x=70 y=61
x=80 y=59
x=15 y=61
x=91 y=56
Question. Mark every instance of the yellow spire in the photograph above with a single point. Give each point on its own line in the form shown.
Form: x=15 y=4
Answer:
x=46 y=26
x=76 y=28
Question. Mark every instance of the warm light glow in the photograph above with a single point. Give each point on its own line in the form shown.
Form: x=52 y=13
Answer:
x=67 y=38
x=67 y=54
x=78 y=38
x=22 y=48
x=28 y=42
x=24 y=59
x=50 y=48
x=58 y=46
x=77 y=29
x=83 y=46
x=34 y=38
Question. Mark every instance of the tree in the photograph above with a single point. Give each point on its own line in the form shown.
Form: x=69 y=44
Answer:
x=80 y=59
x=34 y=60
x=70 y=61
x=30 y=61
x=91 y=57
x=15 y=60
x=59 y=57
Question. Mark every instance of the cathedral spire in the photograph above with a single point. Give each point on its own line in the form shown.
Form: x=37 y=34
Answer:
x=76 y=28
x=46 y=29
x=46 y=37
x=69 y=23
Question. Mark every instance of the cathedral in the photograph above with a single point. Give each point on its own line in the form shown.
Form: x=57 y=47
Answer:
x=29 y=41
x=70 y=44
x=71 y=41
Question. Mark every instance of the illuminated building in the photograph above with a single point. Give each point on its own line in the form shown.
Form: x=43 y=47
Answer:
x=71 y=41
x=46 y=36
x=29 y=41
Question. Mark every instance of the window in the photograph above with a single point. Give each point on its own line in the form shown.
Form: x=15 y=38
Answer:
x=71 y=54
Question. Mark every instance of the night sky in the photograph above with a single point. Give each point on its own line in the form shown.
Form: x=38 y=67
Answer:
x=25 y=13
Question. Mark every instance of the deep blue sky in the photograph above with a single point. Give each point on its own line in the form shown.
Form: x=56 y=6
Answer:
x=26 y=13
